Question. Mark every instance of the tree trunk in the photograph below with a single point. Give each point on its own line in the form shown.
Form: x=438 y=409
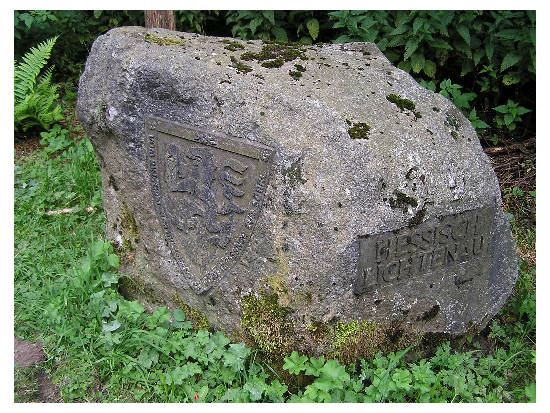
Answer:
x=161 y=19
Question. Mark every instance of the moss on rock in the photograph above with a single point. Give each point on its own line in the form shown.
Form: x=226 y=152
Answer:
x=163 y=41
x=359 y=131
x=198 y=319
x=264 y=321
x=401 y=102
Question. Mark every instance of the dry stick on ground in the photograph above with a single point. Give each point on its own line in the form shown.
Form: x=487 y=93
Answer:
x=509 y=148
x=67 y=211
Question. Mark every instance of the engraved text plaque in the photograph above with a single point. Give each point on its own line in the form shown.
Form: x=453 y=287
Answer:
x=443 y=246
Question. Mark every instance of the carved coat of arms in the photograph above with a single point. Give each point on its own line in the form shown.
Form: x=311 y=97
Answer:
x=208 y=190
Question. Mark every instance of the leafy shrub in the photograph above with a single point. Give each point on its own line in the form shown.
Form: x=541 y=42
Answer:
x=35 y=95
x=491 y=51
x=77 y=29
x=296 y=25
x=509 y=114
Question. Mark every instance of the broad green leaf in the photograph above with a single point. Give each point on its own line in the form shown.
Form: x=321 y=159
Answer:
x=405 y=65
x=410 y=48
x=531 y=392
x=417 y=62
x=382 y=44
x=511 y=78
x=509 y=34
x=466 y=67
x=440 y=44
x=336 y=372
x=112 y=259
x=255 y=23
x=508 y=118
x=111 y=326
x=430 y=68
x=313 y=28
x=501 y=109
x=275 y=391
x=255 y=387
x=295 y=363
x=97 y=13
x=280 y=34
x=179 y=315
x=235 y=356
x=269 y=15
x=109 y=278
x=464 y=32
x=418 y=23
x=402 y=379
x=342 y=39
x=509 y=60
x=489 y=50
x=478 y=54
x=522 y=111
x=148 y=357
x=461 y=46
x=400 y=30
x=313 y=368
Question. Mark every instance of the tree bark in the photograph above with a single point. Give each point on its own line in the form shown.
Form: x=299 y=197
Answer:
x=160 y=19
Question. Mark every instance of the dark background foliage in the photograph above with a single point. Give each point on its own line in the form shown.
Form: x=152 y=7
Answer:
x=480 y=59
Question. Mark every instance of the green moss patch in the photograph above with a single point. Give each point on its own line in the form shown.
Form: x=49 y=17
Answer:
x=401 y=102
x=402 y=200
x=232 y=45
x=241 y=67
x=198 y=319
x=295 y=74
x=358 y=130
x=418 y=218
x=275 y=54
x=264 y=321
x=163 y=41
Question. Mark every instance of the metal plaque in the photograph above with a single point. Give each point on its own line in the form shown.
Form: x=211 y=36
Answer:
x=458 y=245
x=208 y=191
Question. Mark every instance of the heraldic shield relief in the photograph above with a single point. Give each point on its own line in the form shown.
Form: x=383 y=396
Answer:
x=208 y=191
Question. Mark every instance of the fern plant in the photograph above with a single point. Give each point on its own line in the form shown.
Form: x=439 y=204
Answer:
x=34 y=94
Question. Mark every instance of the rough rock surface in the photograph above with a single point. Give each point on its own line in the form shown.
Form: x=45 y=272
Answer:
x=231 y=187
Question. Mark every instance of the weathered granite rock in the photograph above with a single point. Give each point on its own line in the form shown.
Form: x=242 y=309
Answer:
x=306 y=197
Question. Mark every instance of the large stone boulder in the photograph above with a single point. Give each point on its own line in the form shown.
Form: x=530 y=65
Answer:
x=299 y=197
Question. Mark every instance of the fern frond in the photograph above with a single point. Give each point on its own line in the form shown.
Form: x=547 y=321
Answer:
x=28 y=70
x=46 y=77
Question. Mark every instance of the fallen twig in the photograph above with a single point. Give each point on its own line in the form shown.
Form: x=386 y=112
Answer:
x=68 y=211
x=509 y=148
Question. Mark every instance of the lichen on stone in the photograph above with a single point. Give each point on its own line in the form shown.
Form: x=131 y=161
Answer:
x=418 y=217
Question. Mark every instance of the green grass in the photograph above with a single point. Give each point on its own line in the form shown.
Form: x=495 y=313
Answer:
x=102 y=348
